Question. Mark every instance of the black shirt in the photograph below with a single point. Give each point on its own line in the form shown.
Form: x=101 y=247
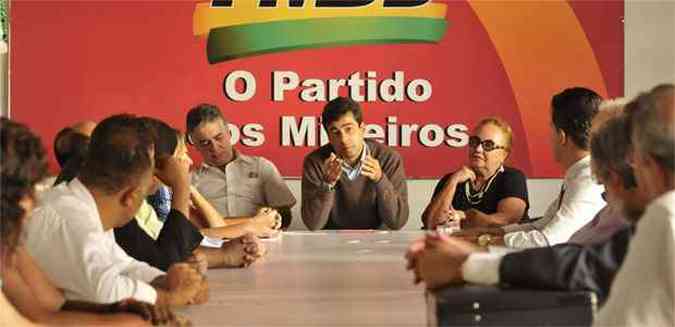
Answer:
x=175 y=243
x=509 y=183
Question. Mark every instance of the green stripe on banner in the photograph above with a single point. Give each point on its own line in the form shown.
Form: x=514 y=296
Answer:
x=239 y=41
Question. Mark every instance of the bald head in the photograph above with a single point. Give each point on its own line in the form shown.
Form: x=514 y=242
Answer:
x=85 y=127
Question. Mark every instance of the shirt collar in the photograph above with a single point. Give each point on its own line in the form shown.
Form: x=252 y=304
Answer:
x=81 y=192
x=577 y=168
x=239 y=158
x=353 y=172
x=364 y=152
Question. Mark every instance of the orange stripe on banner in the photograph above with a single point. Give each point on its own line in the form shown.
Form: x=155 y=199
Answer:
x=544 y=50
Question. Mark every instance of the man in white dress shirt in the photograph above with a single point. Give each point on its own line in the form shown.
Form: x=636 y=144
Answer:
x=71 y=235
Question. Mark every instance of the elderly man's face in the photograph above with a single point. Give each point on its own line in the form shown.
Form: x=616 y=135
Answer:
x=649 y=182
x=630 y=201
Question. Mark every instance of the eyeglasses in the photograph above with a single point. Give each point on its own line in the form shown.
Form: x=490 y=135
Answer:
x=203 y=144
x=604 y=196
x=488 y=145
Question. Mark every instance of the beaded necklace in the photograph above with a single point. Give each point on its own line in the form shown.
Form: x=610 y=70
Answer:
x=477 y=197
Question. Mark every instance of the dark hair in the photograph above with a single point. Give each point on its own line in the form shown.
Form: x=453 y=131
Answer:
x=572 y=112
x=339 y=107
x=68 y=144
x=202 y=113
x=23 y=164
x=610 y=145
x=119 y=153
x=164 y=136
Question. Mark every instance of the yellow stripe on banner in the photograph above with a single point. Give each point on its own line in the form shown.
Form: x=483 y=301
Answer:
x=247 y=12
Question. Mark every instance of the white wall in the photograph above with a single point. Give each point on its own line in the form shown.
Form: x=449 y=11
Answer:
x=4 y=109
x=650 y=44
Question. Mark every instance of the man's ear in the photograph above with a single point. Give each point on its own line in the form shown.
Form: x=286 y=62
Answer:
x=129 y=196
x=615 y=180
x=562 y=136
x=659 y=172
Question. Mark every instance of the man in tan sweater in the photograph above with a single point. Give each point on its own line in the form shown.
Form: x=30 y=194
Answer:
x=352 y=183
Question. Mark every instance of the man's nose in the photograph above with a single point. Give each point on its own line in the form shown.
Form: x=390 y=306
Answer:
x=212 y=146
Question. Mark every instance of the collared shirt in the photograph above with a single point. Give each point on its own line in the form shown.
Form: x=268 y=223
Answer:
x=353 y=172
x=66 y=238
x=246 y=184
x=643 y=290
x=147 y=220
x=577 y=205
x=161 y=202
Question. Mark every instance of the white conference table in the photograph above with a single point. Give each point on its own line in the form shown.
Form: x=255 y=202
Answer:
x=326 y=278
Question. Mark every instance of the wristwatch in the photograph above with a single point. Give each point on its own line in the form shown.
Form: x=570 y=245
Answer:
x=484 y=240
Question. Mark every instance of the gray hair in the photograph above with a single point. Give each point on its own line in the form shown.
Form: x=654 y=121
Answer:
x=613 y=104
x=610 y=144
x=652 y=121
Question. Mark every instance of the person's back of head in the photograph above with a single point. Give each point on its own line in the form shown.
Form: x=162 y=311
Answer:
x=653 y=125
x=120 y=152
x=69 y=144
x=164 y=137
x=23 y=163
x=339 y=107
x=573 y=111
x=610 y=145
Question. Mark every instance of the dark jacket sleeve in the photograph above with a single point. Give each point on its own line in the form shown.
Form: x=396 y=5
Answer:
x=568 y=266
x=176 y=241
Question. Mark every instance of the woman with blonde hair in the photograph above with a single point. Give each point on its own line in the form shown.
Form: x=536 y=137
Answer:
x=484 y=192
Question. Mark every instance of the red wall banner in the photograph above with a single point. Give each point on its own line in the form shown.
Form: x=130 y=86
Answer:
x=424 y=73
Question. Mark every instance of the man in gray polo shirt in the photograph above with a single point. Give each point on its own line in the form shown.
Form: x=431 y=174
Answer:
x=235 y=184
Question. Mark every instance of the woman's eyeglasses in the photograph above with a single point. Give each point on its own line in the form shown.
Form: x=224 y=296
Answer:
x=488 y=145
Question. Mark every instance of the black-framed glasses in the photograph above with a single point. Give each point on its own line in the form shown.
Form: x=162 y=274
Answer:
x=488 y=145
x=604 y=196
